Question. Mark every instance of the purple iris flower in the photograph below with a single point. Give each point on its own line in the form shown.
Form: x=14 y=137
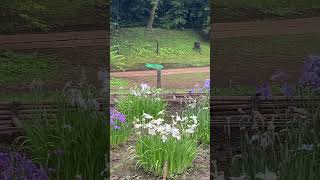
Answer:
x=288 y=90
x=264 y=91
x=14 y=165
x=4 y=160
x=115 y=117
x=207 y=84
x=311 y=72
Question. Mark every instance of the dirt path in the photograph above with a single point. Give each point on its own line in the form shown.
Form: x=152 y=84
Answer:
x=100 y=37
x=267 y=27
x=54 y=40
x=163 y=72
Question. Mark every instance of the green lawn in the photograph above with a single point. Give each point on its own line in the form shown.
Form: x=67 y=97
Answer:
x=138 y=46
x=118 y=82
x=256 y=9
x=252 y=60
x=28 y=97
x=20 y=67
x=294 y=45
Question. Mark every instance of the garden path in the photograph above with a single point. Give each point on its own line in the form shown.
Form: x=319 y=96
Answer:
x=163 y=72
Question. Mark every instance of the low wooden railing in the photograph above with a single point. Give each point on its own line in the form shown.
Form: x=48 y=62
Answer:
x=225 y=110
x=233 y=110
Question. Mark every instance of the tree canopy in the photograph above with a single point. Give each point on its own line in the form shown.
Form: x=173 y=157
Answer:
x=170 y=14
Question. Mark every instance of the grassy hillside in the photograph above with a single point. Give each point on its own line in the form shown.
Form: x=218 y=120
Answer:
x=243 y=10
x=51 y=15
x=138 y=46
x=250 y=60
x=20 y=67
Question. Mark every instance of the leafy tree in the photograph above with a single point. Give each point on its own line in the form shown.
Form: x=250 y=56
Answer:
x=154 y=4
x=169 y=14
x=18 y=15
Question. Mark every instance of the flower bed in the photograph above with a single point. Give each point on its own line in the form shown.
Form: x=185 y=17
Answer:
x=269 y=152
x=72 y=143
x=162 y=143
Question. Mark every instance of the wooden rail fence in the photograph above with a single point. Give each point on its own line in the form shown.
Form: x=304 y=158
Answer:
x=12 y=112
x=233 y=110
x=225 y=111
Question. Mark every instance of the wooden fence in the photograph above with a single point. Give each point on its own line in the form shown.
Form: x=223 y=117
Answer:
x=233 y=110
x=225 y=111
x=12 y=112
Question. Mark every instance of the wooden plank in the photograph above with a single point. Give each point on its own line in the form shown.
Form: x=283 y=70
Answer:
x=5 y=112
x=5 y=108
x=5 y=117
x=9 y=131
x=9 y=121
x=217 y=103
x=5 y=103
x=230 y=98
x=233 y=107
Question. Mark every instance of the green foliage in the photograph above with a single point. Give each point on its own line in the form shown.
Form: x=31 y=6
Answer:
x=200 y=108
x=176 y=15
x=116 y=58
x=171 y=14
x=153 y=153
x=47 y=15
x=34 y=66
x=289 y=152
x=17 y=15
x=134 y=106
x=161 y=141
x=117 y=82
x=119 y=128
x=119 y=136
x=67 y=142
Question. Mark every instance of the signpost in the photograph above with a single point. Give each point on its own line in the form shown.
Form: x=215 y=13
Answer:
x=157 y=67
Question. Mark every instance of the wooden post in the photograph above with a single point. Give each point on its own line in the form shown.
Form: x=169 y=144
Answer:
x=157 y=47
x=165 y=170
x=158 y=78
x=254 y=104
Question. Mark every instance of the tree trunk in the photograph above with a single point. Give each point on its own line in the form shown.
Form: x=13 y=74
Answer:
x=152 y=14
